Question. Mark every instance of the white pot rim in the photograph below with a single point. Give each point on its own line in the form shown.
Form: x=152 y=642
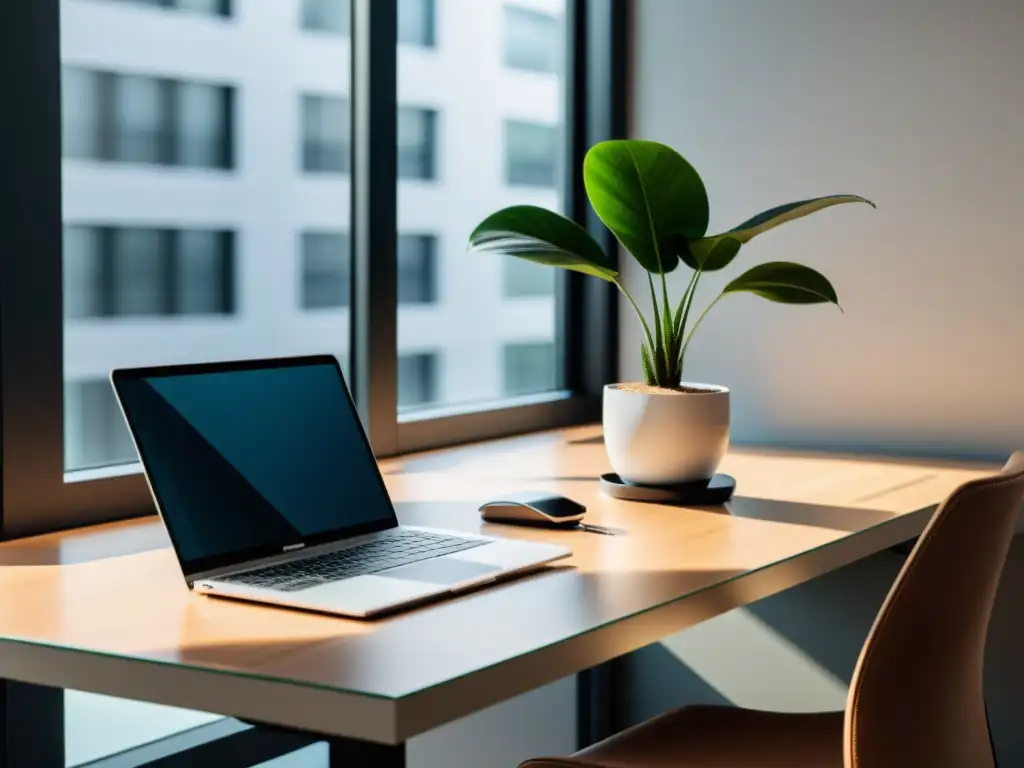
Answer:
x=709 y=389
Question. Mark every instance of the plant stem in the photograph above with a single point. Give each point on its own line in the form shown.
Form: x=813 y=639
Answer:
x=658 y=353
x=696 y=325
x=639 y=314
x=688 y=298
x=685 y=303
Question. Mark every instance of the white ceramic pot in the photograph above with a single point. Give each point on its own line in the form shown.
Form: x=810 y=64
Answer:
x=663 y=437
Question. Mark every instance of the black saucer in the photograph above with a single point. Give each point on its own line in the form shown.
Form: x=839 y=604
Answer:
x=705 y=493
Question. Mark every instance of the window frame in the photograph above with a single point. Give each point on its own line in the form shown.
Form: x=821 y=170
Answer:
x=39 y=497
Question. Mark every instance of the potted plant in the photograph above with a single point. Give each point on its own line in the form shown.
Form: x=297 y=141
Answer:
x=662 y=431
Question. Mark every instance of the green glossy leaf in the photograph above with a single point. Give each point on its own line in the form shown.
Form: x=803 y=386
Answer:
x=646 y=193
x=720 y=253
x=786 y=283
x=539 y=235
x=707 y=253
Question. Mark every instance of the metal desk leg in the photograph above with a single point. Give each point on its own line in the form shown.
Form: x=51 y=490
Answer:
x=595 y=711
x=347 y=753
x=31 y=726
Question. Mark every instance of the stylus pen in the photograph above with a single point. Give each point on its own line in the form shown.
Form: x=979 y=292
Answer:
x=595 y=529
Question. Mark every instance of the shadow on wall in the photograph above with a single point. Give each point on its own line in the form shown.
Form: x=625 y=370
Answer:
x=822 y=626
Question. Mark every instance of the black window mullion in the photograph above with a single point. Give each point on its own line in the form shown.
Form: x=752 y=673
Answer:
x=374 y=314
x=227 y=242
x=107 y=84
x=172 y=128
x=172 y=264
x=107 y=271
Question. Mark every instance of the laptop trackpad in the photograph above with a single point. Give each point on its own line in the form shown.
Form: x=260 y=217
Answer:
x=440 y=570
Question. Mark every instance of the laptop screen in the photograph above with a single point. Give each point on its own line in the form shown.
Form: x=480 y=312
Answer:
x=251 y=459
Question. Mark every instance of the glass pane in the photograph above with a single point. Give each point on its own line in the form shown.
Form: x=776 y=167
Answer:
x=202 y=126
x=140 y=119
x=532 y=39
x=327 y=16
x=326 y=270
x=417 y=142
x=527 y=367
x=416 y=22
x=184 y=212
x=465 y=309
x=326 y=131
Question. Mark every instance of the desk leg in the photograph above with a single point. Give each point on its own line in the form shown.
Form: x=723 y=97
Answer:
x=31 y=726
x=595 y=712
x=348 y=753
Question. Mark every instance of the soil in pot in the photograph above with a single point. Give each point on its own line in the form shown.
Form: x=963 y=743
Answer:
x=648 y=389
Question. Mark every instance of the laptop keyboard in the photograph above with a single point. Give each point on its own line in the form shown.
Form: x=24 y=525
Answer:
x=399 y=548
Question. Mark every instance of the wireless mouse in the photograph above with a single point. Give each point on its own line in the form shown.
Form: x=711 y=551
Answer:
x=534 y=508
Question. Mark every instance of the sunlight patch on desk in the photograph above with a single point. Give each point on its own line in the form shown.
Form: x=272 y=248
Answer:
x=752 y=665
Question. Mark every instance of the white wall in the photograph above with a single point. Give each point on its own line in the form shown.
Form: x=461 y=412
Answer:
x=915 y=105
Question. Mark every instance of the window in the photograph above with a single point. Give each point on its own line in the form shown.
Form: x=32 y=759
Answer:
x=326 y=129
x=159 y=260
x=475 y=305
x=333 y=16
x=130 y=118
x=528 y=367
x=417 y=379
x=96 y=432
x=325 y=270
x=139 y=272
x=416 y=22
x=531 y=154
x=208 y=7
x=533 y=40
x=524 y=278
x=417 y=143
x=416 y=269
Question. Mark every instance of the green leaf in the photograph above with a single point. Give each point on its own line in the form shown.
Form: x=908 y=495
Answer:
x=542 y=236
x=645 y=362
x=645 y=193
x=712 y=253
x=717 y=255
x=786 y=283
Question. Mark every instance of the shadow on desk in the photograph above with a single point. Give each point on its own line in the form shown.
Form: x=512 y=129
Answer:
x=798 y=513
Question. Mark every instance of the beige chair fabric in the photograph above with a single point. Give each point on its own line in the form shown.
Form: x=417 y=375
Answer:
x=916 y=697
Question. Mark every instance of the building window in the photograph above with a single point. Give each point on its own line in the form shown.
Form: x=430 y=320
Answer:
x=417 y=269
x=416 y=25
x=208 y=7
x=528 y=368
x=326 y=270
x=532 y=40
x=117 y=117
x=326 y=134
x=326 y=264
x=96 y=432
x=531 y=154
x=417 y=143
x=417 y=379
x=334 y=16
x=140 y=272
x=520 y=278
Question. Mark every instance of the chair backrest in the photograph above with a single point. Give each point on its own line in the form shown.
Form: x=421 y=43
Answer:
x=916 y=697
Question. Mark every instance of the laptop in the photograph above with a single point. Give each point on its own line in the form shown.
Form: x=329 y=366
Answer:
x=264 y=478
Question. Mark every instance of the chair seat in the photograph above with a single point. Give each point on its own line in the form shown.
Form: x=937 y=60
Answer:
x=717 y=737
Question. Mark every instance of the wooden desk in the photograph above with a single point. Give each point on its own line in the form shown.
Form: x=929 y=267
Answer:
x=106 y=610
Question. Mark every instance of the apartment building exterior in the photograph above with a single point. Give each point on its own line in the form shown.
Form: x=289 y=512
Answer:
x=206 y=192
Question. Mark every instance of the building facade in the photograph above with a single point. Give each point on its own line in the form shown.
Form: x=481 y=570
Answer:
x=206 y=192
